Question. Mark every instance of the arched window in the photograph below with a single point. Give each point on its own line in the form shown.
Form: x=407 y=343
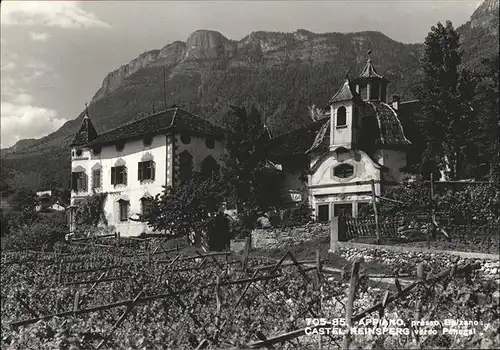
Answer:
x=185 y=166
x=341 y=116
x=97 y=150
x=209 y=167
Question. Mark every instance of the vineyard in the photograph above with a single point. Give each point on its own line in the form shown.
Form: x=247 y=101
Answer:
x=145 y=296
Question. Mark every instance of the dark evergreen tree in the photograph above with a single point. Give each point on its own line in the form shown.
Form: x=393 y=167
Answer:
x=254 y=186
x=487 y=125
x=446 y=93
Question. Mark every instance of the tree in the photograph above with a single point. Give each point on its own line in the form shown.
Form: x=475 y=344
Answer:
x=487 y=129
x=188 y=207
x=23 y=201
x=254 y=185
x=446 y=94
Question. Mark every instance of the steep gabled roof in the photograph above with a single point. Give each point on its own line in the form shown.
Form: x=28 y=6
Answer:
x=174 y=118
x=85 y=134
x=345 y=93
x=295 y=142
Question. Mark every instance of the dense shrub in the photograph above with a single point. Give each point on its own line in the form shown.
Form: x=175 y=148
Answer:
x=218 y=234
x=41 y=234
x=298 y=215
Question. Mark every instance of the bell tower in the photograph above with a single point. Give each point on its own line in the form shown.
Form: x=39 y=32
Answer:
x=370 y=85
x=345 y=111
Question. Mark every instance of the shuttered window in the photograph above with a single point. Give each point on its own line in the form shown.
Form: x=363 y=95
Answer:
x=79 y=181
x=124 y=206
x=146 y=170
x=146 y=205
x=119 y=175
x=96 y=178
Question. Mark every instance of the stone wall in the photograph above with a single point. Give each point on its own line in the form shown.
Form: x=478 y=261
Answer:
x=397 y=261
x=288 y=236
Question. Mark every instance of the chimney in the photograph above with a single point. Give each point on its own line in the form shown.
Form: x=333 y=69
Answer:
x=395 y=102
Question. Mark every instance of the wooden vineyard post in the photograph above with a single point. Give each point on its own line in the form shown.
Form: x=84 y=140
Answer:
x=433 y=230
x=59 y=275
x=350 y=303
x=374 y=204
x=318 y=284
x=76 y=303
x=418 y=306
x=148 y=251
x=248 y=241
x=217 y=298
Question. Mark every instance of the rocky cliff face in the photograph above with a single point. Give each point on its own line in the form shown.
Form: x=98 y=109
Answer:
x=201 y=44
x=486 y=15
x=479 y=36
x=268 y=49
x=169 y=55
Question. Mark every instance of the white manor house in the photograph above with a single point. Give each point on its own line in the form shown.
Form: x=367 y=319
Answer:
x=132 y=163
x=331 y=163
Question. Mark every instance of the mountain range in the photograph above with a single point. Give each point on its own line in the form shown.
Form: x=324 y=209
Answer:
x=282 y=74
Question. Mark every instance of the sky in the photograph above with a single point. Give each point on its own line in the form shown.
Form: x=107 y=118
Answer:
x=55 y=54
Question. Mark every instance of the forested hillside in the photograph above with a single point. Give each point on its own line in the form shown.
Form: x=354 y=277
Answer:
x=281 y=73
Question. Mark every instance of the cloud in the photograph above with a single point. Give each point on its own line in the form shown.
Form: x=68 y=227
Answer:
x=20 y=117
x=20 y=120
x=23 y=99
x=8 y=66
x=65 y=14
x=35 y=70
x=35 y=36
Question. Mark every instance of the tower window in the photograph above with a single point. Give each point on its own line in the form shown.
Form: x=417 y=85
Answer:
x=147 y=141
x=374 y=91
x=341 y=117
x=96 y=150
x=79 y=152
